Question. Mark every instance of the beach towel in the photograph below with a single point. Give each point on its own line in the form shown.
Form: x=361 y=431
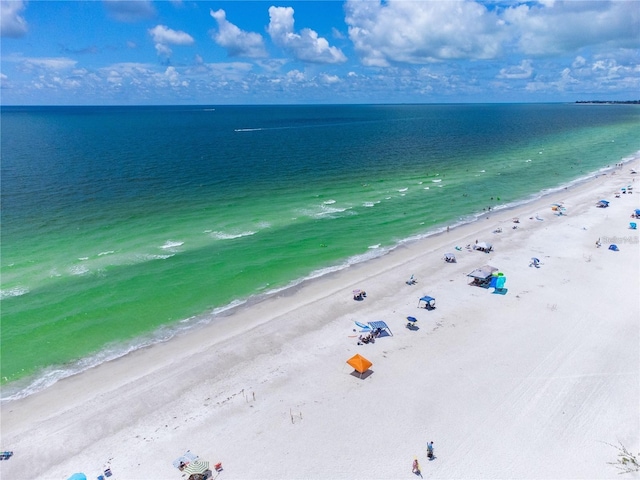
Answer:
x=365 y=328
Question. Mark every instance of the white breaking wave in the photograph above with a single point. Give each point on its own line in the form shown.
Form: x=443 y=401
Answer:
x=78 y=270
x=150 y=256
x=171 y=244
x=231 y=236
x=328 y=211
x=13 y=292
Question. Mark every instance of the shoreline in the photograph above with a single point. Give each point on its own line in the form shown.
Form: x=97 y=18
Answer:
x=23 y=388
x=550 y=369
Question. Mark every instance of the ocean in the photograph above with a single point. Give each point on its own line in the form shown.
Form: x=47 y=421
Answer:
x=122 y=226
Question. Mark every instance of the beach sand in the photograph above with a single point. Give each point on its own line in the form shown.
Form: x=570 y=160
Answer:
x=535 y=383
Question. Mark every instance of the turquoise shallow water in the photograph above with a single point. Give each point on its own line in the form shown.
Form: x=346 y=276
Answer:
x=121 y=226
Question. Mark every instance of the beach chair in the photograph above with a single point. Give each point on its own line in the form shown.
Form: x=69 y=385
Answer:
x=185 y=460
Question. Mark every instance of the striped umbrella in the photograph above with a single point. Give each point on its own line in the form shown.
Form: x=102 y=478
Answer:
x=197 y=466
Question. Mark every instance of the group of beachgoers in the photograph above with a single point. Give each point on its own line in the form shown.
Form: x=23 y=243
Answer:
x=369 y=337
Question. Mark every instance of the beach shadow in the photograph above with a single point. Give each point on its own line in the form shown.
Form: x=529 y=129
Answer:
x=362 y=376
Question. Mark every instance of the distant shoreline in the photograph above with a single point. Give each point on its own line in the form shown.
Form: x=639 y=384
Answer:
x=608 y=102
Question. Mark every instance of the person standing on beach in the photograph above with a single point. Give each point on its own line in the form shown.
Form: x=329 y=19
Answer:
x=430 y=450
x=415 y=467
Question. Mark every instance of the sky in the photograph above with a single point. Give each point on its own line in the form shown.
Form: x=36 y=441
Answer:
x=179 y=52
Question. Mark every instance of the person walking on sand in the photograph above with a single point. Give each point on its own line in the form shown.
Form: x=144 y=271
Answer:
x=430 y=450
x=415 y=467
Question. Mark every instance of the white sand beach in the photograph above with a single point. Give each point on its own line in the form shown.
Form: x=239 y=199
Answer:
x=534 y=383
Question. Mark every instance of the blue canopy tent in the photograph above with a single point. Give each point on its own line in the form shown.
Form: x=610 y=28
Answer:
x=602 y=204
x=429 y=302
x=382 y=328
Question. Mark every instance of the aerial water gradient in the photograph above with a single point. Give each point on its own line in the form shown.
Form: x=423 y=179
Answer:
x=124 y=225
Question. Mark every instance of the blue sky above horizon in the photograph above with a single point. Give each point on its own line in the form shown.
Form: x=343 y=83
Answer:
x=141 y=52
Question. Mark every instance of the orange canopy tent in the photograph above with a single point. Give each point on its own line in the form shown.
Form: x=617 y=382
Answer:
x=360 y=363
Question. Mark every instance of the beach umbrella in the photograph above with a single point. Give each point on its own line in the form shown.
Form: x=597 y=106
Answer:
x=196 y=467
x=412 y=319
x=78 y=476
x=359 y=363
x=357 y=291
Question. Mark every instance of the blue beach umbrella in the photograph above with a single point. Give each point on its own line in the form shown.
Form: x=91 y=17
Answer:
x=77 y=476
x=412 y=319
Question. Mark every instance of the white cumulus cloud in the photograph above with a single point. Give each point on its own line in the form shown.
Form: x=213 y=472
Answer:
x=12 y=24
x=329 y=79
x=305 y=45
x=237 y=42
x=565 y=27
x=173 y=77
x=524 y=70
x=422 y=32
x=163 y=36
